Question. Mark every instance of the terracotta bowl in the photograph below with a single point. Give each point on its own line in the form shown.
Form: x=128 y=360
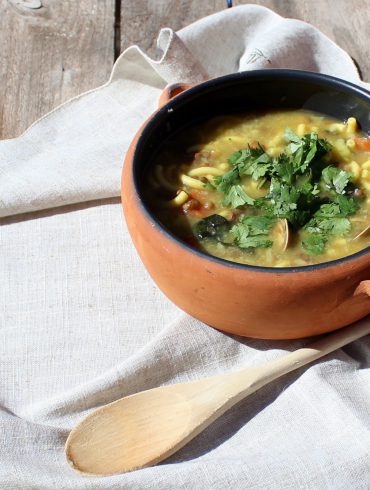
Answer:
x=261 y=302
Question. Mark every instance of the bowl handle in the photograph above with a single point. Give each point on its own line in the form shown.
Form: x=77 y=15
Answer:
x=171 y=91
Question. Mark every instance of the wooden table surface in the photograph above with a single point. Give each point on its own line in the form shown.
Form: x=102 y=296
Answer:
x=64 y=47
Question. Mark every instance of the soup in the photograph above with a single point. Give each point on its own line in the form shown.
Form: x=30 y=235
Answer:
x=278 y=189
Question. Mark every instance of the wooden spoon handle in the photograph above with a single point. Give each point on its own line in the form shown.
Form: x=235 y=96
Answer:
x=329 y=343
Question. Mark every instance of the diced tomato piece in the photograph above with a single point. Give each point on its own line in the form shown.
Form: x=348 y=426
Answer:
x=191 y=205
x=362 y=144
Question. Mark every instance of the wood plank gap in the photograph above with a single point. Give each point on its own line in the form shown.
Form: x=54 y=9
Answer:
x=117 y=29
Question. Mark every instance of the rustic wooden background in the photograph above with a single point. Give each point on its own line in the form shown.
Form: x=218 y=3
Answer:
x=52 y=50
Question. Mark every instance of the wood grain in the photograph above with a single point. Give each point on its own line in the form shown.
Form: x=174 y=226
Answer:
x=66 y=47
x=49 y=55
x=141 y=20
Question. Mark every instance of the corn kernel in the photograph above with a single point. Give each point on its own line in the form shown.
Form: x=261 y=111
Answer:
x=301 y=129
x=366 y=185
x=366 y=174
x=226 y=213
x=341 y=151
x=277 y=140
x=224 y=166
x=314 y=129
x=351 y=143
x=339 y=242
x=331 y=251
x=366 y=165
x=336 y=128
x=274 y=152
x=355 y=169
x=351 y=125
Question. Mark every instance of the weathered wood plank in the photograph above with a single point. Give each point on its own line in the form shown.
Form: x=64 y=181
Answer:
x=141 y=20
x=49 y=55
x=347 y=22
x=53 y=53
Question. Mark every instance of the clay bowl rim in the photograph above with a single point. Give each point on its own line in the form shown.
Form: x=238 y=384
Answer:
x=320 y=78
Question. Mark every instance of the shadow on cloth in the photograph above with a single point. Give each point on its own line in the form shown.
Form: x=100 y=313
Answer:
x=232 y=421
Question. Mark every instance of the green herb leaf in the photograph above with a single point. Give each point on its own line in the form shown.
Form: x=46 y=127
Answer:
x=291 y=202
x=251 y=161
x=347 y=205
x=224 y=182
x=236 y=196
x=314 y=244
x=283 y=168
x=304 y=150
x=329 y=226
x=299 y=183
x=336 y=179
x=252 y=231
x=253 y=242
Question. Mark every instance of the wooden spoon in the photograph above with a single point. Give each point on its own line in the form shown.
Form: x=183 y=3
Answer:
x=145 y=428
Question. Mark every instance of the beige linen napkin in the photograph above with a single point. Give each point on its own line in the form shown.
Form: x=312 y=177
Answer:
x=81 y=323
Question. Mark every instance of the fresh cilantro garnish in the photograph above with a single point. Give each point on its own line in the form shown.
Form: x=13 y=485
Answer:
x=303 y=189
x=335 y=179
x=236 y=196
x=283 y=168
x=208 y=185
x=251 y=161
x=224 y=182
x=314 y=244
x=347 y=205
x=291 y=203
x=252 y=231
x=329 y=219
x=304 y=150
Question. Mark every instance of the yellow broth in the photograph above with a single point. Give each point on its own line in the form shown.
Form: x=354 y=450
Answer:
x=181 y=180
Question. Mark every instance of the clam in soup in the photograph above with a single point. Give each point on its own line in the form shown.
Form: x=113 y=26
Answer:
x=278 y=189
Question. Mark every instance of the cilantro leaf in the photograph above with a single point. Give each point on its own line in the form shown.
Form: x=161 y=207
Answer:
x=258 y=225
x=314 y=244
x=251 y=161
x=329 y=226
x=291 y=203
x=283 y=168
x=335 y=178
x=252 y=231
x=244 y=241
x=347 y=205
x=224 y=182
x=304 y=150
x=236 y=196
x=327 y=220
